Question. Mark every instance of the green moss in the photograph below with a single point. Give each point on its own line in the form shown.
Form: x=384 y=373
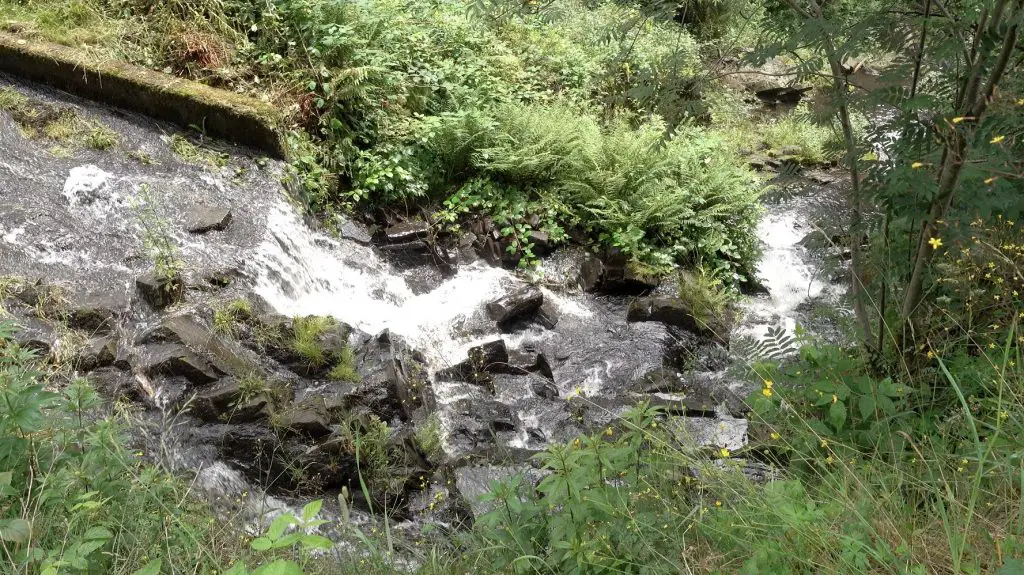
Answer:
x=100 y=137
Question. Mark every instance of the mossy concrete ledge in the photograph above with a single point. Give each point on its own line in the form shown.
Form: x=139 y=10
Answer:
x=220 y=113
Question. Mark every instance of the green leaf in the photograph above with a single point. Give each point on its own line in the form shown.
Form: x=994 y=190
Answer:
x=261 y=544
x=279 y=525
x=5 y=478
x=837 y=415
x=237 y=569
x=1012 y=567
x=280 y=567
x=15 y=530
x=866 y=403
x=98 y=533
x=316 y=542
x=151 y=568
x=311 y=509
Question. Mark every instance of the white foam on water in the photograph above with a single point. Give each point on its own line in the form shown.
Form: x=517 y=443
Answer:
x=784 y=271
x=300 y=272
x=88 y=188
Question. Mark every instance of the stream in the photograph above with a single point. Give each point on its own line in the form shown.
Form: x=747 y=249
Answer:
x=69 y=217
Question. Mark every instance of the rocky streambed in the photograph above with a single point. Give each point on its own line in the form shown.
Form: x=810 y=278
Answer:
x=298 y=361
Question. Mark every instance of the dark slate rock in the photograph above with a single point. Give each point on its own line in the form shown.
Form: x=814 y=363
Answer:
x=522 y=302
x=407 y=232
x=204 y=218
x=98 y=352
x=675 y=312
x=353 y=231
x=159 y=292
x=394 y=380
x=176 y=360
x=96 y=311
x=307 y=419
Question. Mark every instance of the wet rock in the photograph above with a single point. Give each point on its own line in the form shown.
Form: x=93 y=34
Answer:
x=97 y=311
x=306 y=419
x=36 y=335
x=176 y=360
x=115 y=384
x=477 y=421
x=97 y=352
x=204 y=218
x=191 y=329
x=394 y=380
x=547 y=315
x=475 y=482
x=441 y=504
x=220 y=278
x=541 y=242
x=698 y=394
x=544 y=388
x=350 y=230
x=226 y=401
x=158 y=291
x=407 y=232
x=482 y=360
x=615 y=274
x=522 y=302
x=252 y=448
x=675 y=312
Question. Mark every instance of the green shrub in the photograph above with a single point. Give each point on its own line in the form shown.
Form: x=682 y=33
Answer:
x=306 y=332
x=345 y=368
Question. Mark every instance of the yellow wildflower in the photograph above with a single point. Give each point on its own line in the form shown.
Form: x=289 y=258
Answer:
x=724 y=452
x=767 y=392
x=718 y=503
x=936 y=243
x=775 y=435
x=988 y=181
x=997 y=139
x=769 y=383
x=835 y=398
x=931 y=354
x=916 y=165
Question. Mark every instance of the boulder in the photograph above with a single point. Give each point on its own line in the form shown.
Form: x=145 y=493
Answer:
x=394 y=380
x=191 y=329
x=547 y=315
x=675 y=312
x=176 y=360
x=224 y=402
x=98 y=352
x=158 y=291
x=614 y=273
x=477 y=420
x=482 y=360
x=96 y=311
x=307 y=419
x=407 y=232
x=36 y=335
x=517 y=304
x=203 y=218
x=353 y=231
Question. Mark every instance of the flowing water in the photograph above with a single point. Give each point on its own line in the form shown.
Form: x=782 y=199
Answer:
x=72 y=219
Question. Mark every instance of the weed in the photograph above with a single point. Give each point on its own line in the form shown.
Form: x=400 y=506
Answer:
x=428 y=437
x=185 y=149
x=100 y=137
x=306 y=332
x=224 y=322
x=345 y=368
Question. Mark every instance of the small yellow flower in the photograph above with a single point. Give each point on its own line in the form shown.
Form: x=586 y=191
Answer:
x=769 y=383
x=775 y=435
x=608 y=431
x=916 y=165
x=936 y=243
x=959 y=119
x=835 y=398
x=724 y=452
x=931 y=354
x=767 y=392
x=997 y=139
x=824 y=443
x=829 y=460
x=718 y=503
x=988 y=181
